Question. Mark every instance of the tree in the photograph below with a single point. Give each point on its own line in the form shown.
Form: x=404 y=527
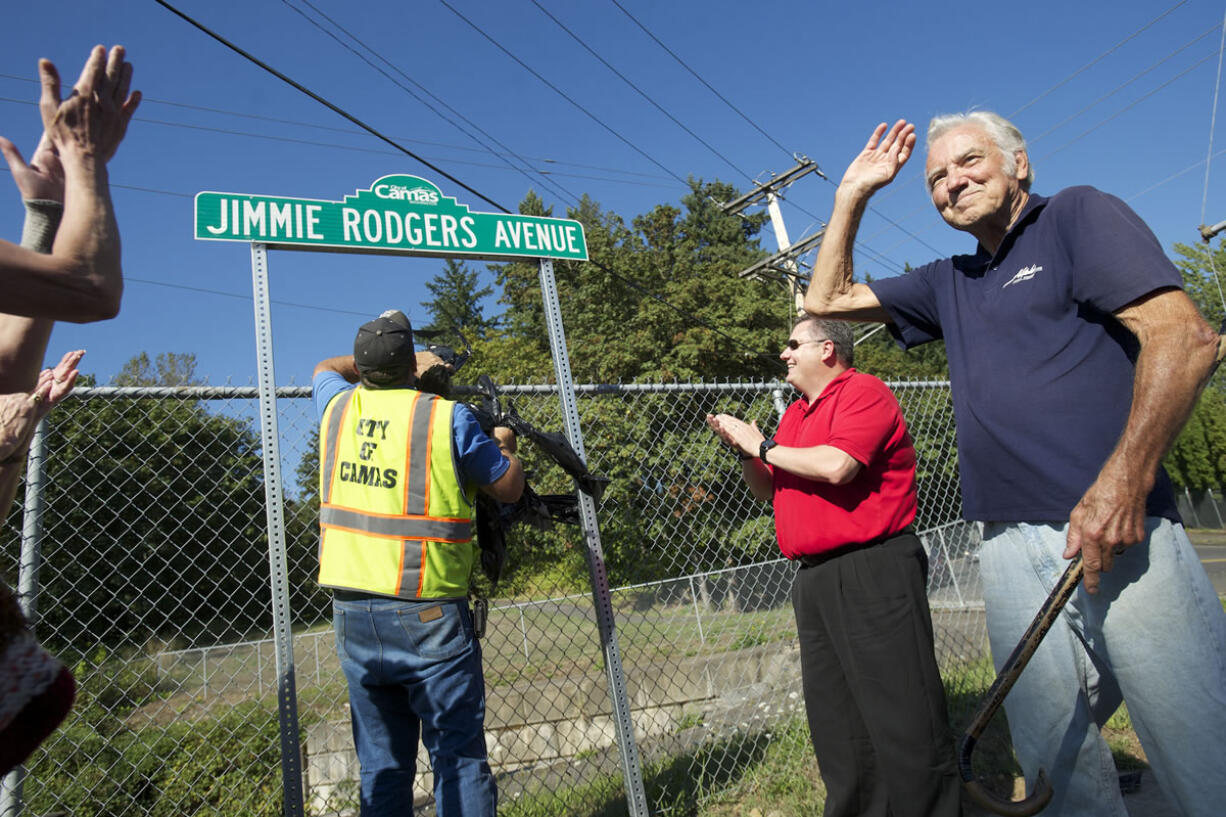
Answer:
x=154 y=523
x=660 y=301
x=1198 y=458
x=457 y=301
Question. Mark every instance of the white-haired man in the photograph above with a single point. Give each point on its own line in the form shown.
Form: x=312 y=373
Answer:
x=1075 y=358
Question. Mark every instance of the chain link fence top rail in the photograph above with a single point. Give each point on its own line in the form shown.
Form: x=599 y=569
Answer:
x=155 y=590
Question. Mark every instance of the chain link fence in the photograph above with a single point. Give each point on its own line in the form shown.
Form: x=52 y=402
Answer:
x=143 y=560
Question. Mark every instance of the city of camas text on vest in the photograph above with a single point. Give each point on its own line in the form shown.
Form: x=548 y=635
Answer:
x=361 y=473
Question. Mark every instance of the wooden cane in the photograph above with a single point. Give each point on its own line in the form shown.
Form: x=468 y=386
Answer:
x=1005 y=679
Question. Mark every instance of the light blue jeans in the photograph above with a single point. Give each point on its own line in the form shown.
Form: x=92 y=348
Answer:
x=1154 y=637
x=414 y=668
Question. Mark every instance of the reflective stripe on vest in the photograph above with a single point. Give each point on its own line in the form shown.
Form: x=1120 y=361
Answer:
x=394 y=519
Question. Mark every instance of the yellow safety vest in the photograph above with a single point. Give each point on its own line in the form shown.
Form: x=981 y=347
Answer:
x=394 y=518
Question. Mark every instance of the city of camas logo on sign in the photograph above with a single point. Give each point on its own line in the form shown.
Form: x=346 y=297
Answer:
x=398 y=214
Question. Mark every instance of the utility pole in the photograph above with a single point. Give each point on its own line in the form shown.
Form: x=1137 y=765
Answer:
x=782 y=263
x=1208 y=232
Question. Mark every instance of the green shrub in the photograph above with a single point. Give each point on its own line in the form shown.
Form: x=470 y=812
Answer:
x=98 y=766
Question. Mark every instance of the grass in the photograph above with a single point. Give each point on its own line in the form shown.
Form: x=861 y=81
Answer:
x=771 y=772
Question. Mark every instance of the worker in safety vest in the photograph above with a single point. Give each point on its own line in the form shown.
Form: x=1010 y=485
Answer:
x=399 y=471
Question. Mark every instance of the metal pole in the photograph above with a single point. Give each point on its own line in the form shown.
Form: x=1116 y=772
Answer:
x=784 y=243
x=636 y=797
x=777 y=399
x=697 y=613
x=27 y=582
x=1191 y=507
x=523 y=629
x=287 y=697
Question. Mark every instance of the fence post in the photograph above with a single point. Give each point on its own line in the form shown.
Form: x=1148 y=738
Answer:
x=780 y=404
x=1191 y=507
x=27 y=582
x=523 y=630
x=1216 y=509
x=697 y=614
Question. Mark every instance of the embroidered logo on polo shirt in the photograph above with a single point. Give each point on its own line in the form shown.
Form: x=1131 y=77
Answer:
x=1024 y=274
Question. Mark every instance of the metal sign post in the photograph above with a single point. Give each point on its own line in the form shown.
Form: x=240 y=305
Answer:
x=403 y=215
x=636 y=797
x=287 y=696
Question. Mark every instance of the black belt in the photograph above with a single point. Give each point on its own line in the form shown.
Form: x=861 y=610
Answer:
x=815 y=559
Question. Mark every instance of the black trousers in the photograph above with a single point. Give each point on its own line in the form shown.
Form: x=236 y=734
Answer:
x=873 y=693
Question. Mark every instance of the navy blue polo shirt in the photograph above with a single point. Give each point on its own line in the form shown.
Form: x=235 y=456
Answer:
x=1041 y=372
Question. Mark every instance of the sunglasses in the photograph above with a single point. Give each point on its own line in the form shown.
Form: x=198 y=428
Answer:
x=795 y=344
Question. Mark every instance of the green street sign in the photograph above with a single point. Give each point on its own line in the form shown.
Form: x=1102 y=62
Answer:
x=399 y=214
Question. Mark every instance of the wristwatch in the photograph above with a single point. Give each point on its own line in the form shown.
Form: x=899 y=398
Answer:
x=766 y=445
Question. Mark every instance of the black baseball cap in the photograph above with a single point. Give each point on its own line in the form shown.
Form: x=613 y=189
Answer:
x=384 y=343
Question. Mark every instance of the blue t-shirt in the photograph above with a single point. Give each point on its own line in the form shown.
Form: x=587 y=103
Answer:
x=481 y=460
x=1041 y=371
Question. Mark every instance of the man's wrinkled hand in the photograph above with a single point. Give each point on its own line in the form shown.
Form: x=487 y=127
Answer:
x=887 y=150
x=93 y=119
x=1109 y=519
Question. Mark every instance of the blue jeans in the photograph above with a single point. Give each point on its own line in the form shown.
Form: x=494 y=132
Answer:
x=414 y=669
x=1154 y=637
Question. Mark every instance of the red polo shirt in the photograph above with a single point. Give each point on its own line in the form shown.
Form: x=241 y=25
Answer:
x=857 y=414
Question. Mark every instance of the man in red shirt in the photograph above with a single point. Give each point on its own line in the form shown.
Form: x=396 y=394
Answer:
x=841 y=474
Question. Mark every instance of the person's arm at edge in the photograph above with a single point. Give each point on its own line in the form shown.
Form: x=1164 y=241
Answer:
x=1178 y=349
x=510 y=486
x=23 y=341
x=53 y=385
x=341 y=364
x=832 y=292
x=82 y=279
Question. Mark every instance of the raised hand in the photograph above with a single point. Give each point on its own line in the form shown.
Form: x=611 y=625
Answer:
x=43 y=177
x=883 y=156
x=21 y=412
x=94 y=118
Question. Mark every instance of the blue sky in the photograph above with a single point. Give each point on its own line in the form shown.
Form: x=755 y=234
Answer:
x=1119 y=95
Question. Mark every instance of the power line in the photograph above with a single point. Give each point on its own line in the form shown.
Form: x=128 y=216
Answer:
x=711 y=88
x=1063 y=82
x=241 y=297
x=1217 y=279
x=557 y=189
x=1100 y=57
x=640 y=91
x=1124 y=85
x=559 y=92
x=900 y=187
x=1173 y=177
x=1129 y=106
x=686 y=315
x=324 y=102
x=146 y=101
x=1217 y=85
x=377 y=151
x=698 y=77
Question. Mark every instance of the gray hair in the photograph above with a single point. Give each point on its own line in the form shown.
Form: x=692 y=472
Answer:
x=1003 y=133
x=837 y=331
